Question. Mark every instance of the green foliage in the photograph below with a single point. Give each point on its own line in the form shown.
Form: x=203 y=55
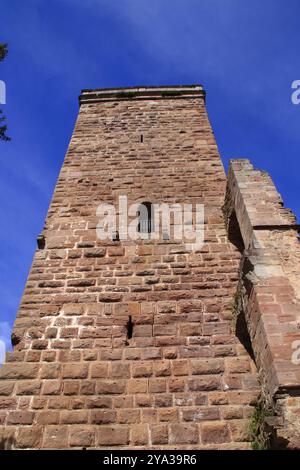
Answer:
x=259 y=435
x=3 y=127
x=3 y=50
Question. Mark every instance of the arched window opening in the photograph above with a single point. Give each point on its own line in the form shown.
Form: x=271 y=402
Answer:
x=146 y=218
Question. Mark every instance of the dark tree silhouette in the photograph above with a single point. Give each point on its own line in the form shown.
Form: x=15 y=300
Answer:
x=3 y=126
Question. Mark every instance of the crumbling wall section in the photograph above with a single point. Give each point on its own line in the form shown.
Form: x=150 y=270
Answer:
x=268 y=292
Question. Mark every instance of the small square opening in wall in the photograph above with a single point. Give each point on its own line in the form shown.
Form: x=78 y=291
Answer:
x=41 y=242
x=115 y=236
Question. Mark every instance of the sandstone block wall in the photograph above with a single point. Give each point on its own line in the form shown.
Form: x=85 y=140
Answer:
x=183 y=380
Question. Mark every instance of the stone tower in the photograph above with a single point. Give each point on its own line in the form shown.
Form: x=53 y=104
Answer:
x=145 y=343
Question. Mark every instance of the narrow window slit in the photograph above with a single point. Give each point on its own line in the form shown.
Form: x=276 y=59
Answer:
x=142 y=138
x=129 y=327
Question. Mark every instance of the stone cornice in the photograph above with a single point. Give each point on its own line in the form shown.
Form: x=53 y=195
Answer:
x=141 y=92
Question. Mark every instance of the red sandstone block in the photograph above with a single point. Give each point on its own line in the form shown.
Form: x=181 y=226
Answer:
x=142 y=330
x=218 y=398
x=142 y=342
x=71 y=387
x=168 y=414
x=184 y=434
x=195 y=351
x=215 y=433
x=48 y=417
x=157 y=385
x=149 y=415
x=38 y=403
x=140 y=435
x=169 y=340
x=243 y=397
x=128 y=416
x=111 y=354
x=215 y=328
x=209 y=382
x=207 y=366
x=237 y=365
x=110 y=386
x=120 y=369
x=163 y=400
x=69 y=332
x=159 y=434
x=125 y=401
x=96 y=332
x=75 y=371
x=28 y=388
x=143 y=400
x=8 y=403
x=137 y=386
x=34 y=356
x=180 y=367
x=94 y=253
x=6 y=387
x=55 y=437
x=116 y=251
x=127 y=308
x=80 y=282
x=90 y=355
x=201 y=414
x=223 y=351
x=98 y=402
x=232 y=382
x=29 y=438
x=87 y=387
x=20 y=417
x=132 y=354
x=69 y=356
x=110 y=297
x=50 y=371
x=74 y=417
x=51 y=333
x=103 y=416
x=73 y=309
x=59 y=403
x=151 y=353
x=142 y=369
x=113 y=435
x=177 y=384
x=144 y=250
x=162 y=368
x=190 y=329
x=82 y=437
x=52 y=387
x=233 y=412
x=166 y=330
x=99 y=370
x=19 y=371
x=77 y=403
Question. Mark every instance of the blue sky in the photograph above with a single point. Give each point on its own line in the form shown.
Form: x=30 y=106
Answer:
x=246 y=54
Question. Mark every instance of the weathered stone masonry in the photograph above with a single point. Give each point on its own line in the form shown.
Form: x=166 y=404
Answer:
x=268 y=294
x=183 y=380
